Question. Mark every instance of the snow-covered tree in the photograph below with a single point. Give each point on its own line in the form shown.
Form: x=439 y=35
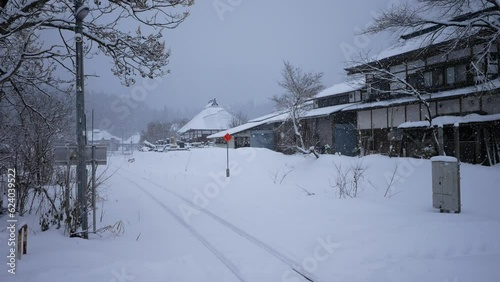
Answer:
x=36 y=36
x=438 y=25
x=435 y=15
x=299 y=87
x=30 y=136
x=452 y=23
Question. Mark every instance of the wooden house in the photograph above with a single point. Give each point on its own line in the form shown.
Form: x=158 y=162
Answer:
x=417 y=85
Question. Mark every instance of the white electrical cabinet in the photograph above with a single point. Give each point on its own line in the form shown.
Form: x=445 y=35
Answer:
x=446 y=184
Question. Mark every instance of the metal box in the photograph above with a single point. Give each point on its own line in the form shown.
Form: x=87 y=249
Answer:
x=446 y=184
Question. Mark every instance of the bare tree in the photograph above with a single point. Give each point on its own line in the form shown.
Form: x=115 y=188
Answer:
x=128 y=32
x=299 y=87
x=157 y=130
x=381 y=73
x=31 y=135
x=238 y=118
x=444 y=25
x=449 y=22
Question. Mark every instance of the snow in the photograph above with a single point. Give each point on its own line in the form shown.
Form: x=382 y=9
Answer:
x=267 y=119
x=446 y=159
x=326 y=110
x=269 y=116
x=280 y=117
x=134 y=139
x=419 y=42
x=185 y=221
x=101 y=135
x=341 y=88
x=236 y=129
x=487 y=86
x=148 y=144
x=455 y=120
x=210 y=118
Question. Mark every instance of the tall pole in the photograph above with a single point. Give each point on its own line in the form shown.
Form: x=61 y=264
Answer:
x=93 y=177
x=81 y=137
x=227 y=159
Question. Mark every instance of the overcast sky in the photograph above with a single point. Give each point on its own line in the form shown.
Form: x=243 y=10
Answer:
x=233 y=50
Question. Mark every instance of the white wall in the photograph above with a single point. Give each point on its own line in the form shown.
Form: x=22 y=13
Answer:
x=364 y=119
x=413 y=112
x=396 y=116
x=379 y=118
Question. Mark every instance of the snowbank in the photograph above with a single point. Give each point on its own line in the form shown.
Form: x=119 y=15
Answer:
x=273 y=212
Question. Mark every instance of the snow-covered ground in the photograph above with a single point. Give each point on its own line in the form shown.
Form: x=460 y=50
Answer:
x=277 y=218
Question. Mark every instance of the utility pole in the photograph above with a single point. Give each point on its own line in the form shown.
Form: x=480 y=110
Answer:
x=93 y=177
x=81 y=134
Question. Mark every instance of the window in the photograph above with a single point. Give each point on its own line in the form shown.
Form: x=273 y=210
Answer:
x=434 y=78
x=396 y=84
x=416 y=80
x=428 y=79
x=460 y=73
x=381 y=87
x=333 y=100
x=450 y=75
x=437 y=78
x=456 y=74
x=492 y=63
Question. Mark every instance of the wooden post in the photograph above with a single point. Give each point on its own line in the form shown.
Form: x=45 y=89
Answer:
x=478 y=145
x=25 y=239
x=440 y=141
x=487 y=145
x=19 y=243
x=456 y=136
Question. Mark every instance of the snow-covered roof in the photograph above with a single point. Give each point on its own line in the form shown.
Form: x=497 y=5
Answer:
x=280 y=117
x=449 y=120
x=326 y=110
x=404 y=46
x=101 y=135
x=213 y=117
x=267 y=119
x=447 y=159
x=268 y=116
x=341 y=88
x=487 y=86
x=148 y=144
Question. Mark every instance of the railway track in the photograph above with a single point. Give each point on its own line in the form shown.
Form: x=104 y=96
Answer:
x=284 y=260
